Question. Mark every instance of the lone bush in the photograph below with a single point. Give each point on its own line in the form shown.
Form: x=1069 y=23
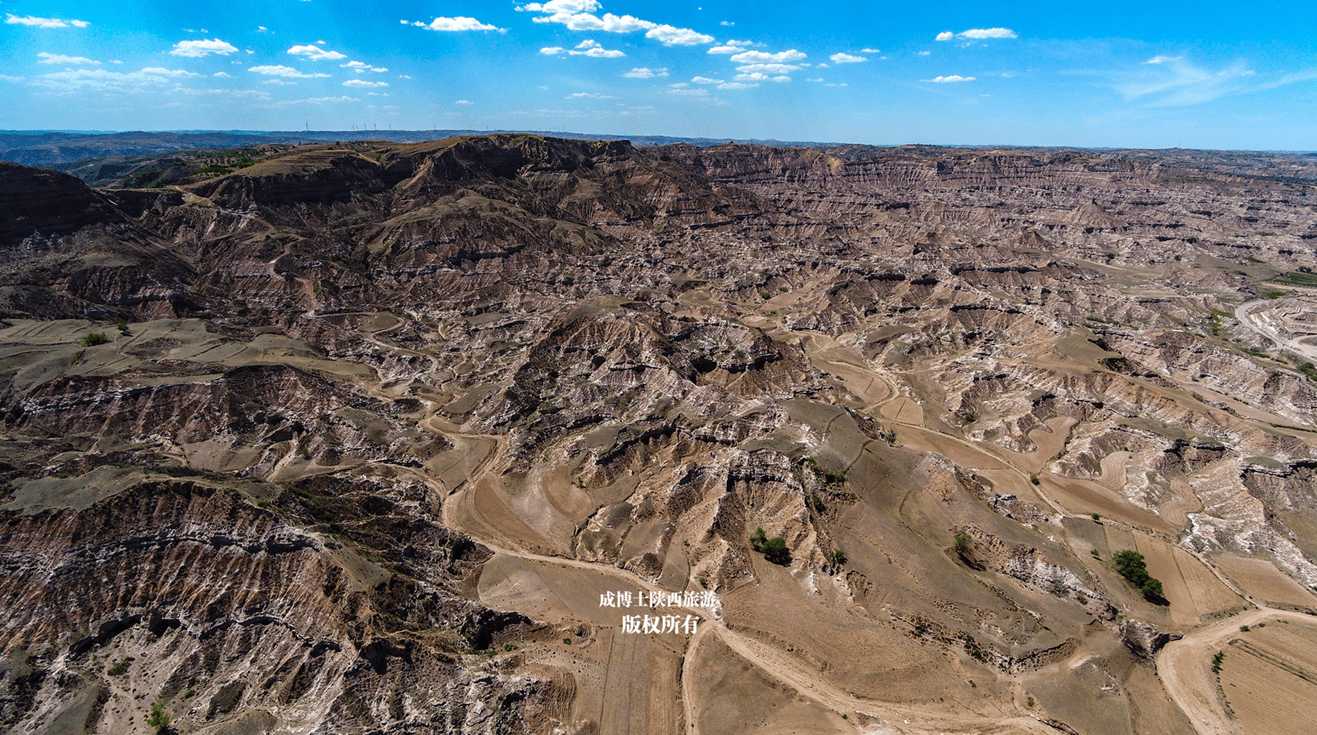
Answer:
x=94 y=338
x=964 y=542
x=1132 y=567
x=159 y=719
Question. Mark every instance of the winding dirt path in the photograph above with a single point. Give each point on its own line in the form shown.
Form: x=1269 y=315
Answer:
x=1184 y=667
x=1253 y=316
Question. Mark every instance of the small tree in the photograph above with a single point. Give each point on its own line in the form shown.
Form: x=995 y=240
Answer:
x=964 y=542
x=837 y=558
x=94 y=338
x=757 y=540
x=159 y=718
x=776 y=551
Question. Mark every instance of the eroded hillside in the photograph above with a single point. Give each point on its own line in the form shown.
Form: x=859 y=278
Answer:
x=374 y=428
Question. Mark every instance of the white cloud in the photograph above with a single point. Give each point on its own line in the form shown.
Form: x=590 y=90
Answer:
x=222 y=75
x=948 y=79
x=733 y=47
x=590 y=96
x=35 y=22
x=690 y=92
x=817 y=79
x=315 y=53
x=587 y=22
x=102 y=80
x=1161 y=59
x=763 y=57
x=925 y=53
x=279 y=83
x=736 y=85
x=670 y=36
x=363 y=83
x=322 y=100
x=458 y=23
x=197 y=49
x=463 y=102
x=562 y=6
x=1174 y=82
x=578 y=15
x=979 y=33
x=642 y=72
x=362 y=67
x=846 y=59
x=594 y=50
x=871 y=51
x=727 y=23
x=62 y=59
x=767 y=68
x=282 y=71
x=551 y=50
x=758 y=77
x=706 y=80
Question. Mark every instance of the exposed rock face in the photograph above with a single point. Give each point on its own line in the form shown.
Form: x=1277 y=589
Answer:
x=246 y=613
x=382 y=422
x=1145 y=640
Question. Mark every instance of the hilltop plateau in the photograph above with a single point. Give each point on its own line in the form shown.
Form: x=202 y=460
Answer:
x=356 y=437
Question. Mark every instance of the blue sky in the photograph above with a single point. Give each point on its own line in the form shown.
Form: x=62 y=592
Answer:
x=1152 y=75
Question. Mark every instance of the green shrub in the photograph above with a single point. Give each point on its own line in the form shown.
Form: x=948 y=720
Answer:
x=159 y=719
x=1134 y=569
x=1097 y=516
x=837 y=558
x=964 y=542
x=776 y=551
x=94 y=338
x=119 y=668
x=1033 y=479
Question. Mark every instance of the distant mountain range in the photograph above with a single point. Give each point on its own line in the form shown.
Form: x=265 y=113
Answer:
x=46 y=148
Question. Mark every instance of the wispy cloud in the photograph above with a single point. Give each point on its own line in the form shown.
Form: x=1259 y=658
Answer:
x=62 y=59
x=846 y=59
x=35 y=22
x=362 y=67
x=455 y=24
x=463 y=102
x=764 y=57
x=733 y=47
x=315 y=53
x=594 y=49
x=363 y=83
x=198 y=49
x=643 y=72
x=671 y=36
x=590 y=96
x=976 y=34
x=707 y=80
x=282 y=71
x=871 y=51
x=101 y=80
x=579 y=15
x=1174 y=82
x=948 y=79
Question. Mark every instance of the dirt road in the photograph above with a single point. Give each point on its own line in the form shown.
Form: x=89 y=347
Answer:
x=1184 y=667
x=1260 y=320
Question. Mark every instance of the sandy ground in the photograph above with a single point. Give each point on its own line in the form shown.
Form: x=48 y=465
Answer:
x=1185 y=669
